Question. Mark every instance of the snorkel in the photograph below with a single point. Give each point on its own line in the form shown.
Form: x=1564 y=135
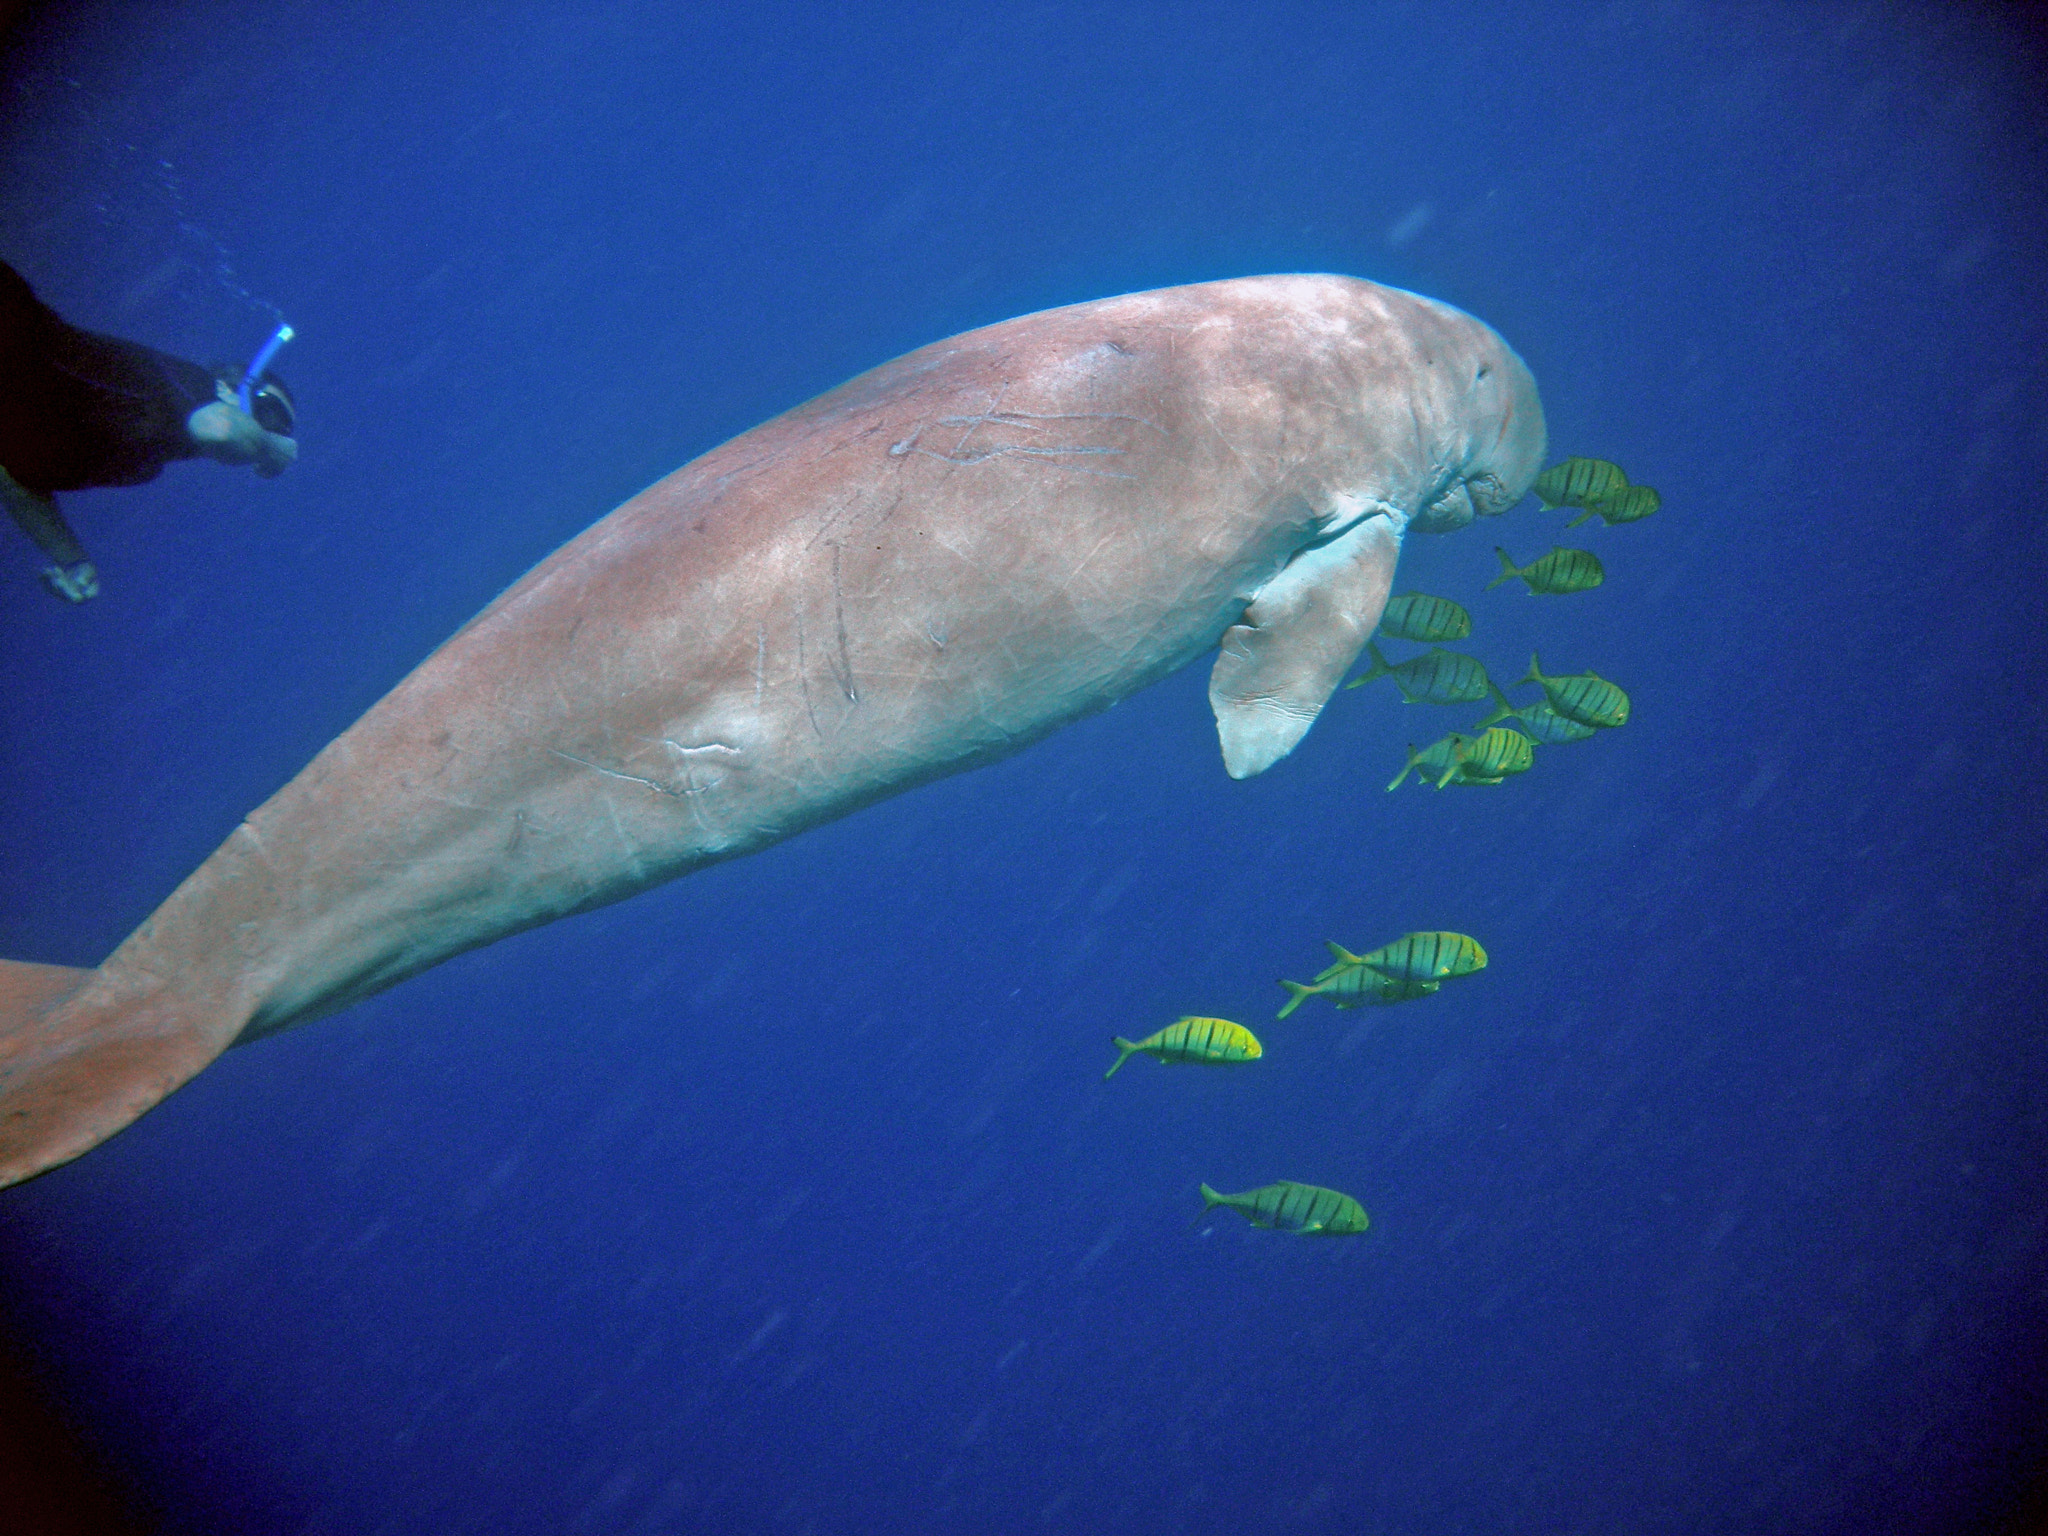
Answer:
x=260 y=362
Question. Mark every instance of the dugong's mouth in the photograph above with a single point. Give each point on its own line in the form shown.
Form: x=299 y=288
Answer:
x=1478 y=495
x=1490 y=494
x=1449 y=510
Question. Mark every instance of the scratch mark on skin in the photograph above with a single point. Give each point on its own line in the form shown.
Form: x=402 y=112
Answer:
x=889 y=511
x=686 y=755
x=843 y=673
x=830 y=520
x=611 y=811
x=687 y=793
x=625 y=842
x=972 y=423
x=1024 y=416
x=1020 y=450
x=851 y=440
x=1024 y=421
x=760 y=660
x=851 y=508
x=1083 y=563
x=613 y=773
x=720 y=483
x=803 y=677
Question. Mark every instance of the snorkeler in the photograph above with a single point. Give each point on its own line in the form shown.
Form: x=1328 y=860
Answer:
x=78 y=409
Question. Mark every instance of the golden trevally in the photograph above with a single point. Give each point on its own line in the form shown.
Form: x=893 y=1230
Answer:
x=1420 y=617
x=1306 y=1209
x=1579 y=483
x=1489 y=757
x=1351 y=983
x=1582 y=696
x=1437 y=676
x=1427 y=956
x=1485 y=758
x=1433 y=761
x=1552 y=575
x=1538 y=720
x=1209 y=1042
x=1629 y=505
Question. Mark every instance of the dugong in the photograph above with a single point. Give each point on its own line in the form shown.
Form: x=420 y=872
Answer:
x=925 y=569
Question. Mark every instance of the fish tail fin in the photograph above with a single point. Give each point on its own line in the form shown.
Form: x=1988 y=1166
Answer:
x=1343 y=955
x=1129 y=1048
x=1581 y=517
x=79 y=1062
x=1502 y=709
x=1378 y=669
x=1535 y=671
x=1210 y=1200
x=1507 y=569
x=1299 y=995
x=1451 y=772
x=1414 y=759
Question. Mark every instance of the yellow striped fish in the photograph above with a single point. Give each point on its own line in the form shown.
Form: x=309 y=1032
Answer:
x=1579 y=483
x=1210 y=1042
x=1308 y=1210
x=1582 y=696
x=1437 y=676
x=1560 y=571
x=1489 y=757
x=1418 y=616
x=1351 y=983
x=1427 y=957
x=1537 y=720
x=1625 y=506
x=1486 y=758
x=1434 y=760
x=1548 y=726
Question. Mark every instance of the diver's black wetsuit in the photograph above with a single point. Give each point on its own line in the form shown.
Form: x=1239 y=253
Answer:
x=79 y=409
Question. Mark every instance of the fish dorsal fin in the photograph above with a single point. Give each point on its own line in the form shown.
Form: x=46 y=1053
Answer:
x=1300 y=635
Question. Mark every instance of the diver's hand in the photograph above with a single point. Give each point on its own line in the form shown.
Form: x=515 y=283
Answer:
x=277 y=455
x=74 y=583
x=230 y=434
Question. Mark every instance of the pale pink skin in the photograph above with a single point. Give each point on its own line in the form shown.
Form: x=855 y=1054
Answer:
x=927 y=568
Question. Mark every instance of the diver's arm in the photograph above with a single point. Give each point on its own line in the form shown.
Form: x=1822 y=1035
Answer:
x=70 y=575
x=41 y=521
x=230 y=434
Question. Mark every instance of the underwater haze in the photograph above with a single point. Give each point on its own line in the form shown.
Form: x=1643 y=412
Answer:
x=790 y=1197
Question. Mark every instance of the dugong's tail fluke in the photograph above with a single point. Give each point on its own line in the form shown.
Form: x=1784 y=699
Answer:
x=78 y=1062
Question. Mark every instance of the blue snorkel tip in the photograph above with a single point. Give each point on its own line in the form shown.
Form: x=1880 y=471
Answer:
x=261 y=361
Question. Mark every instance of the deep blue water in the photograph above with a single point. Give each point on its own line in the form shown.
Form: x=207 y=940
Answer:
x=789 y=1198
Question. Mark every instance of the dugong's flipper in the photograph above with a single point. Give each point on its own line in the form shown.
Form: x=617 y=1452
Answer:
x=1300 y=635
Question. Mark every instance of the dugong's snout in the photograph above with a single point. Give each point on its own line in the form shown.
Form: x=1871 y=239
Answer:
x=1503 y=450
x=1509 y=438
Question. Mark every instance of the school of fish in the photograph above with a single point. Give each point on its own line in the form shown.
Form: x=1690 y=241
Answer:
x=1573 y=707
